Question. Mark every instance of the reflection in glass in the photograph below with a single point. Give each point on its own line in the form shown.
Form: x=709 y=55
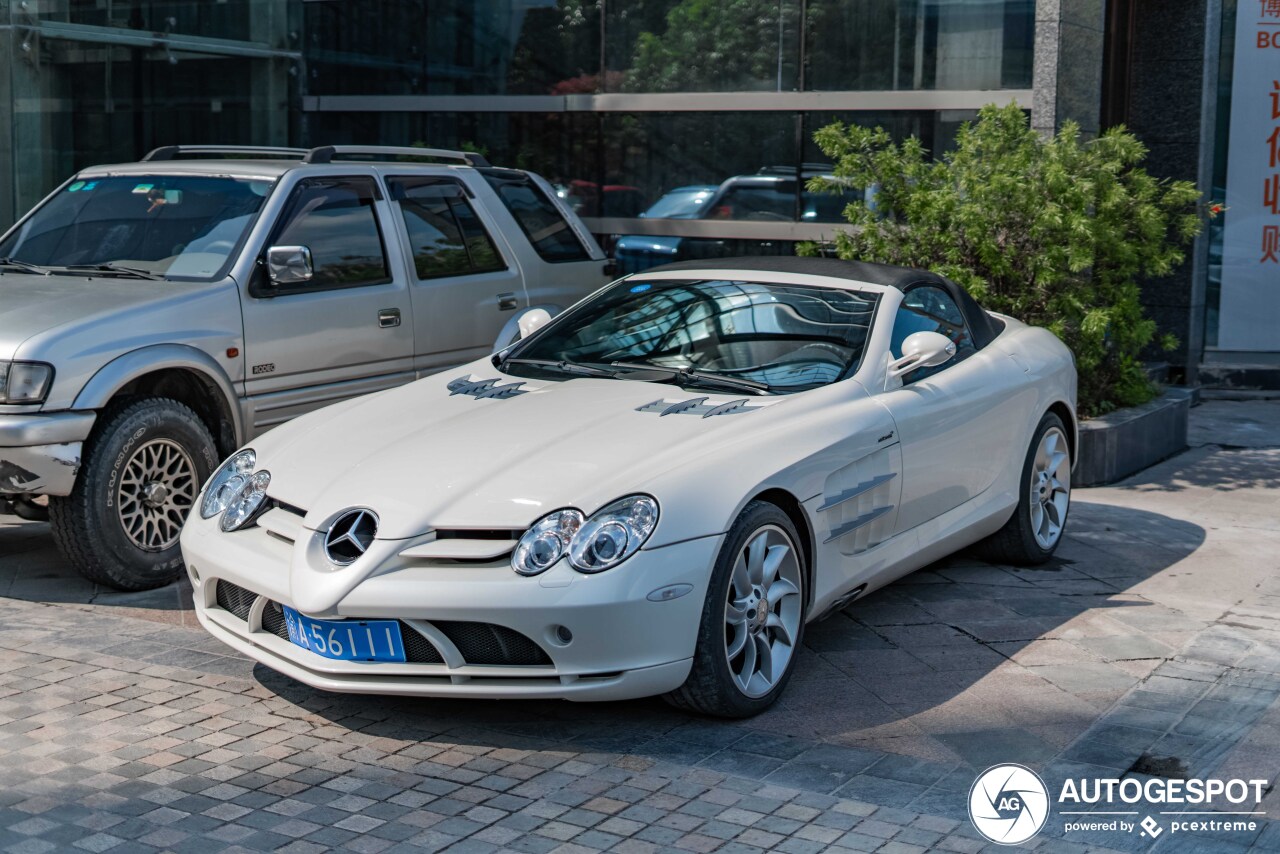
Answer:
x=335 y=219
x=791 y=337
x=182 y=226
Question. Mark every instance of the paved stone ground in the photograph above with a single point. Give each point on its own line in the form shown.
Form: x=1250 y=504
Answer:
x=1151 y=644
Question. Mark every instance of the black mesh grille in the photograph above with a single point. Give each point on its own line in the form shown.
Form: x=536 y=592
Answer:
x=417 y=649
x=484 y=643
x=273 y=620
x=234 y=599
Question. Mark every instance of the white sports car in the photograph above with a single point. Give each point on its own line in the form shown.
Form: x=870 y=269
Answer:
x=652 y=493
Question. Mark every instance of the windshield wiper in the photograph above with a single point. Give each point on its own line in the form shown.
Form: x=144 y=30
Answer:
x=693 y=376
x=563 y=365
x=22 y=265
x=113 y=267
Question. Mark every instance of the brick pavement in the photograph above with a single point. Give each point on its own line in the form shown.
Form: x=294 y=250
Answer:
x=1150 y=645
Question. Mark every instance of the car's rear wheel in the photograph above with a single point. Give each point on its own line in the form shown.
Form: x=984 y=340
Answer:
x=139 y=477
x=1033 y=532
x=752 y=619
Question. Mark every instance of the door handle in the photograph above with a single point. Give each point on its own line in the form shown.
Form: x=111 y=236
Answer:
x=506 y=302
x=388 y=317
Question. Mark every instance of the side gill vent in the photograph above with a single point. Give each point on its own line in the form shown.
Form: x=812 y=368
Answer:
x=700 y=406
x=234 y=599
x=485 y=389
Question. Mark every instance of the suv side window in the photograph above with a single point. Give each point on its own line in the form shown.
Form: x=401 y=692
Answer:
x=538 y=217
x=930 y=309
x=336 y=220
x=445 y=235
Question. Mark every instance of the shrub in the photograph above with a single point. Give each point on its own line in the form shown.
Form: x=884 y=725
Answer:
x=1053 y=231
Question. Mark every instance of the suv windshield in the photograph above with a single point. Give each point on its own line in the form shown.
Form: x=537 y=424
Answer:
x=788 y=337
x=184 y=227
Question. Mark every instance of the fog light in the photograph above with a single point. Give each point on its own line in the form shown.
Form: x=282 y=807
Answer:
x=563 y=635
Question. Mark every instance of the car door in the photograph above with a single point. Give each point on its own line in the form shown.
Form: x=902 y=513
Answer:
x=346 y=331
x=956 y=421
x=463 y=287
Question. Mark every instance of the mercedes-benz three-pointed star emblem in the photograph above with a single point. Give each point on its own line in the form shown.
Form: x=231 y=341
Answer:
x=350 y=535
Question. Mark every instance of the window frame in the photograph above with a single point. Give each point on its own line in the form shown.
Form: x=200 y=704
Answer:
x=258 y=286
x=961 y=353
x=466 y=196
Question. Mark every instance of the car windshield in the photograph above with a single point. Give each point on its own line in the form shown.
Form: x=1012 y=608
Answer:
x=181 y=227
x=788 y=337
x=684 y=203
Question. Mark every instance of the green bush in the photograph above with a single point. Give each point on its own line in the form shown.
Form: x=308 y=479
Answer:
x=1055 y=232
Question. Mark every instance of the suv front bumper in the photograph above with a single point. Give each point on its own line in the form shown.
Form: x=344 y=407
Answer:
x=40 y=453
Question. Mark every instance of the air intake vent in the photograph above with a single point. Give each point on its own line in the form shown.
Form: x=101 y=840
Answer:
x=234 y=599
x=482 y=389
x=700 y=406
x=485 y=643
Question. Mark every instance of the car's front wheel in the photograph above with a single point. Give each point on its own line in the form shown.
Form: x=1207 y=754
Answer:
x=1033 y=532
x=752 y=619
x=141 y=472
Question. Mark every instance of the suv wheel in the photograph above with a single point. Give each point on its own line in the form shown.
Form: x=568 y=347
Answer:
x=140 y=475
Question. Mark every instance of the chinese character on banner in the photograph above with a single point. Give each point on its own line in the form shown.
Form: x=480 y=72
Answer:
x=1275 y=97
x=1270 y=244
x=1274 y=142
x=1271 y=193
x=1270 y=8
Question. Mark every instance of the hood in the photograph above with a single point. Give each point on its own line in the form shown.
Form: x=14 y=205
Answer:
x=32 y=304
x=425 y=457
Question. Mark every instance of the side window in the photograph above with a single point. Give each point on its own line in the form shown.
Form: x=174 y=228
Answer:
x=538 y=218
x=930 y=309
x=446 y=236
x=335 y=219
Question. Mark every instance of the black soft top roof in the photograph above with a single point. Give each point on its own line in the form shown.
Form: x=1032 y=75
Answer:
x=983 y=326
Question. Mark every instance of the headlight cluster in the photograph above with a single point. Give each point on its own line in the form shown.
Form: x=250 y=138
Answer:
x=25 y=382
x=236 y=491
x=610 y=536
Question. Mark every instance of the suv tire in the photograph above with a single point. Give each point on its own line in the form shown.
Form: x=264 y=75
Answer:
x=140 y=475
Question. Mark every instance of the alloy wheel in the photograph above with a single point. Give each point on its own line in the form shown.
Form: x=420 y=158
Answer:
x=157 y=488
x=1050 y=488
x=762 y=611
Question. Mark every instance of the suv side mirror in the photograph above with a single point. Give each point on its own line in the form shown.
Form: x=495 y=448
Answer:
x=923 y=350
x=288 y=265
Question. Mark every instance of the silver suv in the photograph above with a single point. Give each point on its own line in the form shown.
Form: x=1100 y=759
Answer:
x=156 y=315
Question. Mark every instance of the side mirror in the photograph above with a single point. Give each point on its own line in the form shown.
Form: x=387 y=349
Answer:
x=288 y=265
x=521 y=326
x=923 y=350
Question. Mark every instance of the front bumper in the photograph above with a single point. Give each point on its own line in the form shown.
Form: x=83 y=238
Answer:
x=624 y=645
x=40 y=453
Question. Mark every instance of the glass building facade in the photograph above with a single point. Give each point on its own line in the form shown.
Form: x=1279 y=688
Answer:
x=615 y=102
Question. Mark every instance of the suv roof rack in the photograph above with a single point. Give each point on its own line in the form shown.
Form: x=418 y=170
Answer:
x=326 y=153
x=171 y=152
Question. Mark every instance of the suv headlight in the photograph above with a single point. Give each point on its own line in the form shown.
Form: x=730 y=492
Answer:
x=25 y=382
x=227 y=482
x=610 y=536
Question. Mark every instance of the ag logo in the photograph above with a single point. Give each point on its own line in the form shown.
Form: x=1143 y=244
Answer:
x=1008 y=804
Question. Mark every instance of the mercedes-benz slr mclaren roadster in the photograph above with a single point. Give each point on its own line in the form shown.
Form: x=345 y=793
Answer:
x=651 y=493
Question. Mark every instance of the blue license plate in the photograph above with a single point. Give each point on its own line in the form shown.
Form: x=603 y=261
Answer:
x=346 y=640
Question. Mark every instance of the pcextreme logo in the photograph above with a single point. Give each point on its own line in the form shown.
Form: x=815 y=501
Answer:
x=1008 y=804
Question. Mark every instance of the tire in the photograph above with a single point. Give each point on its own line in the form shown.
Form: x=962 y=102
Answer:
x=714 y=686
x=1023 y=540
x=141 y=471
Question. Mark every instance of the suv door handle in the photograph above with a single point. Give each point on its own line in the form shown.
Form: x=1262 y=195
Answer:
x=506 y=302
x=388 y=317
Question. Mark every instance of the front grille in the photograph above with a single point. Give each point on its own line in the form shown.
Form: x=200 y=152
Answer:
x=485 y=643
x=417 y=649
x=234 y=599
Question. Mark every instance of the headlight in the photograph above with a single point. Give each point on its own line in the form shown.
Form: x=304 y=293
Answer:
x=244 y=506
x=25 y=382
x=546 y=542
x=613 y=534
x=227 y=482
